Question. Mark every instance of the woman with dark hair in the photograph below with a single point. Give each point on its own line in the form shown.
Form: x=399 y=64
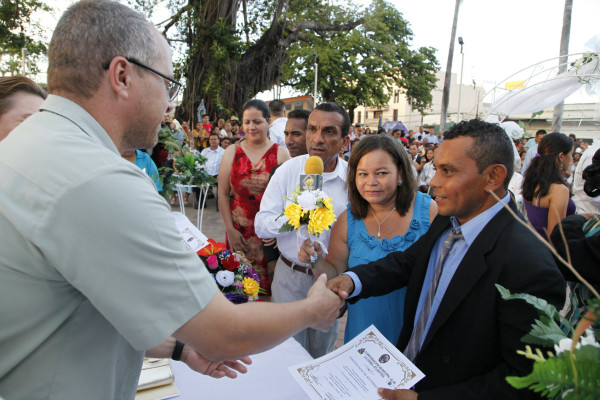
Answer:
x=582 y=239
x=385 y=214
x=19 y=98
x=545 y=189
x=243 y=176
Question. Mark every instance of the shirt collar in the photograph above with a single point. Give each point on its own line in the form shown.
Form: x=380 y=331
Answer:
x=81 y=118
x=339 y=171
x=474 y=226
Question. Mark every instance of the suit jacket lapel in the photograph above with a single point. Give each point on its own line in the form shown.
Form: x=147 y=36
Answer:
x=470 y=270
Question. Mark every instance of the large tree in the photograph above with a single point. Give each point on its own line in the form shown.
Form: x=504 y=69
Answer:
x=227 y=61
x=359 y=67
x=17 y=32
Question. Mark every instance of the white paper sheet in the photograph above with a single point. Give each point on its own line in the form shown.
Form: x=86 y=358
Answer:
x=357 y=369
x=191 y=237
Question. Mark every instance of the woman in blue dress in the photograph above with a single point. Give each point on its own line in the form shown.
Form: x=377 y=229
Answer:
x=385 y=214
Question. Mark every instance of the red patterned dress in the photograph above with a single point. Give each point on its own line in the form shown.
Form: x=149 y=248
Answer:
x=248 y=183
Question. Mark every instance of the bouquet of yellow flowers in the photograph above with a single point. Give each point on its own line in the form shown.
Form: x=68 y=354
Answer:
x=312 y=208
x=309 y=212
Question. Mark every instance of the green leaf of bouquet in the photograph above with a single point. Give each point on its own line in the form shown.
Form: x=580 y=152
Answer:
x=544 y=332
x=286 y=227
x=556 y=377
x=541 y=305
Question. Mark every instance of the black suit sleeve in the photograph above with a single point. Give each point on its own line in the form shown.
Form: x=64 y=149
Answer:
x=387 y=274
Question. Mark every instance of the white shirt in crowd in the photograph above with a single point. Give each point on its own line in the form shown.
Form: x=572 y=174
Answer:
x=426 y=174
x=283 y=182
x=528 y=157
x=276 y=131
x=431 y=139
x=585 y=203
x=213 y=159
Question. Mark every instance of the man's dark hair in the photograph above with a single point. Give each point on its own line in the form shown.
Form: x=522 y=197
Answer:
x=541 y=132
x=277 y=108
x=205 y=115
x=214 y=134
x=491 y=146
x=591 y=177
x=396 y=130
x=333 y=107
x=299 y=114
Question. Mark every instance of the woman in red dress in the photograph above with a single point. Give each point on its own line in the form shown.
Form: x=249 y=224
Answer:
x=243 y=176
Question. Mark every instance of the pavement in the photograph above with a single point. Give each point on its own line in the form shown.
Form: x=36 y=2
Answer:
x=213 y=228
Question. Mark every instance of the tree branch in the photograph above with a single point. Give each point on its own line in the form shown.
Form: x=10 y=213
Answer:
x=174 y=19
x=320 y=27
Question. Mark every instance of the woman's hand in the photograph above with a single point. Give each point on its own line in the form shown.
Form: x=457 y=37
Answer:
x=309 y=252
x=236 y=240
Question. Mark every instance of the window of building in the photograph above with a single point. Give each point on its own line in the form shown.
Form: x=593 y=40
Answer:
x=299 y=105
x=396 y=98
x=288 y=106
x=358 y=118
x=366 y=116
x=395 y=115
x=377 y=114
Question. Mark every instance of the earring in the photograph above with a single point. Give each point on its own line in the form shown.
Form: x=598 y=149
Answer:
x=400 y=182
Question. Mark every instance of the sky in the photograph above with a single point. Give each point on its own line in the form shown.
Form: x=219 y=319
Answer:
x=501 y=37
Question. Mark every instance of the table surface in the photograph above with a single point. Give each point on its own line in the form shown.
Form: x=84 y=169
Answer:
x=267 y=378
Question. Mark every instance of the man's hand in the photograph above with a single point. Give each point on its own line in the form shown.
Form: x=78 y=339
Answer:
x=195 y=361
x=342 y=285
x=400 y=394
x=325 y=304
x=270 y=242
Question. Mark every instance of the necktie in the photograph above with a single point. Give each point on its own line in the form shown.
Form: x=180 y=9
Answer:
x=417 y=336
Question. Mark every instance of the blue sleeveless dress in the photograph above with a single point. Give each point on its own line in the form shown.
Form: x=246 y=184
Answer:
x=385 y=312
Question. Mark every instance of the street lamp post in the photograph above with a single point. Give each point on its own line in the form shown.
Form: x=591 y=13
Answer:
x=462 y=63
x=316 y=62
x=24 y=52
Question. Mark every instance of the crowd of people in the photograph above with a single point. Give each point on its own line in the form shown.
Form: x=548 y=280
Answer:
x=93 y=275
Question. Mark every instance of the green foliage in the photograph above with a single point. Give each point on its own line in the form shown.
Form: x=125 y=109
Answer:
x=545 y=331
x=567 y=375
x=17 y=31
x=187 y=165
x=360 y=66
x=555 y=376
x=537 y=114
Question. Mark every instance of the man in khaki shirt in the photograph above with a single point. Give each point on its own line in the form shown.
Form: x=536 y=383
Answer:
x=92 y=271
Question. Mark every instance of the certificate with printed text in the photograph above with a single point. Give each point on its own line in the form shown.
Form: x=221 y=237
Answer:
x=357 y=369
x=191 y=237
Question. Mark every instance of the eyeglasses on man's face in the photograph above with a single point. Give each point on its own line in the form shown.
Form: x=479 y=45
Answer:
x=171 y=84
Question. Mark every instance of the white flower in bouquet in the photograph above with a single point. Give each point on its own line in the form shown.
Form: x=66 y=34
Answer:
x=307 y=200
x=225 y=278
x=587 y=340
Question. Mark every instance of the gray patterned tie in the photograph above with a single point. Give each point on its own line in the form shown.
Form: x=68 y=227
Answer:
x=417 y=336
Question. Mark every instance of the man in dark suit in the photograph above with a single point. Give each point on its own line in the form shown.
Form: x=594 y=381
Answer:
x=457 y=329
